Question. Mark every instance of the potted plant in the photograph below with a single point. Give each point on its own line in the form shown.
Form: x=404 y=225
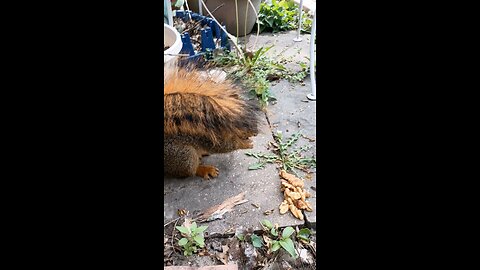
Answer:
x=225 y=11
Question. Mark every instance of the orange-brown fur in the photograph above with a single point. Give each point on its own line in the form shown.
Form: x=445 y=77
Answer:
x=203 y=117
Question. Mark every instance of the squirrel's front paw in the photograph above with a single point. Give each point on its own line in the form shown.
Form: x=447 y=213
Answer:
x=207 y=171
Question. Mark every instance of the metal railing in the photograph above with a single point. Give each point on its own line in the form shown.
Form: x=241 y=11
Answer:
x=298 y=38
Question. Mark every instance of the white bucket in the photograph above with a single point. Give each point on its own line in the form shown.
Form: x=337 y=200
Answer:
x=171 y=38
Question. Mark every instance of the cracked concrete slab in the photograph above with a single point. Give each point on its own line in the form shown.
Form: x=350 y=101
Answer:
x=262 y=188
x=290 y=113
x=283 y=47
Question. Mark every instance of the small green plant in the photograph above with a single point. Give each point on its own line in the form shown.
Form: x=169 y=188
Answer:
x=297 y=76
x=278 y=240
x=281 y=16
x=287 y=160
x=304 y=235
x=256 y=241
x=271 y=238
x=177 y=4
x=252 y=70
x=255 y=70
x=240 y=237
x=193 y=238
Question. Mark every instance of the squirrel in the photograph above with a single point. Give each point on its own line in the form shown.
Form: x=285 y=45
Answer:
x=203 y=116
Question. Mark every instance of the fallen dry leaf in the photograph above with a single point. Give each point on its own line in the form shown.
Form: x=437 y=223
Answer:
x=217 y=211
x=182 y=212
x=222 y=256
x=266 y=239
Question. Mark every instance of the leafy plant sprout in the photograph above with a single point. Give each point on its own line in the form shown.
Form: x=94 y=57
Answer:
x=193 y=238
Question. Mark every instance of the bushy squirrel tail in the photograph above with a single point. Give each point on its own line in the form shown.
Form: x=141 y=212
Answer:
x=195 y=105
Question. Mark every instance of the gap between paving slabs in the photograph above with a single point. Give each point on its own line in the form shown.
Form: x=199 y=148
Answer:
x=292 y=111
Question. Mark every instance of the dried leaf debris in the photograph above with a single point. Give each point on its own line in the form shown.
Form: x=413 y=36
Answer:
x=217 y=211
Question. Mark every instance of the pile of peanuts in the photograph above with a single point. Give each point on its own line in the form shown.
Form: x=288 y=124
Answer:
x=294 y=195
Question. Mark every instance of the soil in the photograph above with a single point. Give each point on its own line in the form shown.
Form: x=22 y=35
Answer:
x=228 y=249
x=166 y=47
x=194 y=29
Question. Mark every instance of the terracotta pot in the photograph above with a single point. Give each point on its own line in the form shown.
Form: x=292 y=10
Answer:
x=227 y=14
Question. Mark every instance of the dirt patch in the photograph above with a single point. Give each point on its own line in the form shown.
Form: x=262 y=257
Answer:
x=220 y=250
x=193 y=28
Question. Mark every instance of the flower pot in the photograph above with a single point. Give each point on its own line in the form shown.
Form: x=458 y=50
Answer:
x=228 y=14
x=171 y=38
x=212 y=35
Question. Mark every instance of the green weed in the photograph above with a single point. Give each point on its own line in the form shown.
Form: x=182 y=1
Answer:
x=193 y=238
x=282 y=16
x=286 y=159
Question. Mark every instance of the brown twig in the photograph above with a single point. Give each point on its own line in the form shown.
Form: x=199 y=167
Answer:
x=171 y=221
x=176 y=54
x=197 y=23
x=173 y=234
x=223 y=4
x=313 y=249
